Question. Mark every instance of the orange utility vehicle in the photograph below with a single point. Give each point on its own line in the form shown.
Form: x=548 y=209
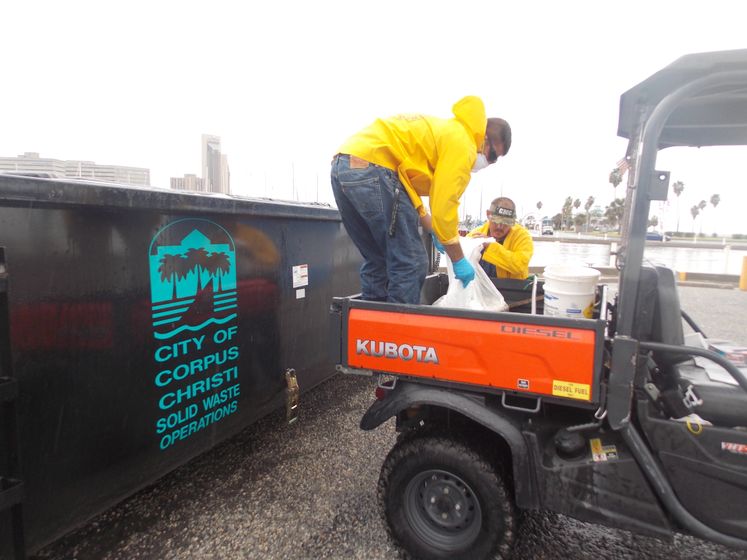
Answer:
x=609 y=419
x=539 y=356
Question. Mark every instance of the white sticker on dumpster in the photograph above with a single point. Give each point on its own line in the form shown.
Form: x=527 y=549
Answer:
x=194 y=315
x=300 y=275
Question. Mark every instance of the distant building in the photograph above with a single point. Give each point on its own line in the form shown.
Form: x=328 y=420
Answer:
x=187 y=183
x=215 y=174
x=225 y=173
x=31 y=162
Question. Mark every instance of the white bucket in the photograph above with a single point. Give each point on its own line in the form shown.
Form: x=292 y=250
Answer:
x=569 y=290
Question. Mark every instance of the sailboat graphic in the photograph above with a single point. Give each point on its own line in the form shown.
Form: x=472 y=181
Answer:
x=192 y=277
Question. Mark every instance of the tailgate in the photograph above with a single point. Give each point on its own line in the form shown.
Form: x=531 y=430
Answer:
x=525 y=354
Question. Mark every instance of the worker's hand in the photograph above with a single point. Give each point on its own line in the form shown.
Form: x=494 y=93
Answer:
x=464 y=271
x=437 y=244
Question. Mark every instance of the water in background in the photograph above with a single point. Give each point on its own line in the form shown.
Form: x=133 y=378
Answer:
x=714 y=260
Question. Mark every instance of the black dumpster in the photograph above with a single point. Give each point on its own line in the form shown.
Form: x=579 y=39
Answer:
x=144 y=326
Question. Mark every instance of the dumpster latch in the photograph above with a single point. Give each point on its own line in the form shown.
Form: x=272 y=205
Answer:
x=292 y=393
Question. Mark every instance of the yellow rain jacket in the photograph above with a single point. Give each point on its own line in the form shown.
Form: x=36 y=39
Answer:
x=433 y=157
x=511 y=259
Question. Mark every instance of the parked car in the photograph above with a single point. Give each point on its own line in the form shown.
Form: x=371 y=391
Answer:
x=656 y=236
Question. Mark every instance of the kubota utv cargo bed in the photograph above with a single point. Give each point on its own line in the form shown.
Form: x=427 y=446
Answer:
x=520 y=356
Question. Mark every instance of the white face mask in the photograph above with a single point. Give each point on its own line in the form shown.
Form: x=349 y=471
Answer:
x=480 y=163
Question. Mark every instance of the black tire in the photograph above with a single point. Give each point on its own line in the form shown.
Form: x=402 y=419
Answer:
x=442 y=499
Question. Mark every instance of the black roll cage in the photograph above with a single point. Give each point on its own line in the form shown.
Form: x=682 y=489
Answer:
x=699 y=100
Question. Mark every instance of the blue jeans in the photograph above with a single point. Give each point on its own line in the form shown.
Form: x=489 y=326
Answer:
x=394 y=266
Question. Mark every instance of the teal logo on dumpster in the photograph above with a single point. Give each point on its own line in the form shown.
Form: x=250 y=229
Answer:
x=194 y=317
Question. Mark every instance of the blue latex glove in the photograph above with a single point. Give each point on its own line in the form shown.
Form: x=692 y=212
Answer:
x=464 y=271
x=437 y=244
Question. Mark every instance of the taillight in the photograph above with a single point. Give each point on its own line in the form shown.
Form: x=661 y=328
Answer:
x=384 y=386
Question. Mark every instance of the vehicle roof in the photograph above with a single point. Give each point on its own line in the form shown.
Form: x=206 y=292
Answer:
x=716 y=116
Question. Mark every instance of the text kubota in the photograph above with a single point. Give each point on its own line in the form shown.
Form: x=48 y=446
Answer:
x=407 y=352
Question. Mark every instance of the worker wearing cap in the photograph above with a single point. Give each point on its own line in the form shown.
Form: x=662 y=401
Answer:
x=379 y=177
x=509 y=256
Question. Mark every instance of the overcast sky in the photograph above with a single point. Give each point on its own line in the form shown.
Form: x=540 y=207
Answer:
x=284 y=83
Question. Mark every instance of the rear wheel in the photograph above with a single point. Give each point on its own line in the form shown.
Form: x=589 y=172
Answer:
x=442 y=499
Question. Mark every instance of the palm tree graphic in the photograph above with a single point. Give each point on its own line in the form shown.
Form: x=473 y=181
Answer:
x=217 y=265
x=197 y=261
x=172 y=268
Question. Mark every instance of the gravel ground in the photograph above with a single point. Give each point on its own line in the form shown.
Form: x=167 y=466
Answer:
x=720 y=313
x=308 y=490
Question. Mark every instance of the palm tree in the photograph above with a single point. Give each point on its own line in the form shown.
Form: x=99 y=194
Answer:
x=614 y=212
x=171 y=269
x=715 y=199
x=218 y=265
x=702 y=206
x=539 y=216
x=678 y=187
x=587 y=207
x=695 y=210
x=197 y=261
x=615 y=179
x=576 y=206
x=567 y=205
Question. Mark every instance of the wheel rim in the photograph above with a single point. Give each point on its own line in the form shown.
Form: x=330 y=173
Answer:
x=442 y=510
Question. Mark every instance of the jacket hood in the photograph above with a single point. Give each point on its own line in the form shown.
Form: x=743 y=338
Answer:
x=470 y=111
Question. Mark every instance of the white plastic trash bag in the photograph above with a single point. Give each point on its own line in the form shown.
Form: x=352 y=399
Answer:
x=480 y=294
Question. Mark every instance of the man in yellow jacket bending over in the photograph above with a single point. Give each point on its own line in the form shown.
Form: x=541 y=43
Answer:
x=379 y=176
x=510 y=256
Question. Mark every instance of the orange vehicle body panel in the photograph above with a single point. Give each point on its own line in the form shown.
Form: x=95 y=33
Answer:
x=538 y=359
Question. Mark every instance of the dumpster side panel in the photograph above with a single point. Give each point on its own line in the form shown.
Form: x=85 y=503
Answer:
x=141 y=338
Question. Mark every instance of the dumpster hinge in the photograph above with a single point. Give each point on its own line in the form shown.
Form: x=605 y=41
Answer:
x=292 y=394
